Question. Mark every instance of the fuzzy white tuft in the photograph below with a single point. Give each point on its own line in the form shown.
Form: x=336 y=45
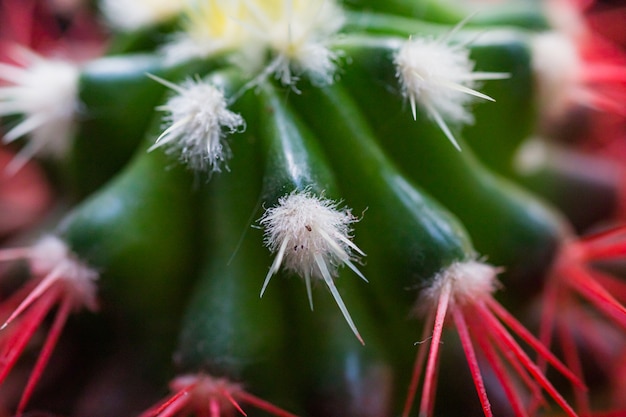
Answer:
x=467 y=282
x=44 y=91
x=311 y=237
x=295 y=32
x=298 y=32
x=198 y=118
x=302 y=228
x=439 y=77
x=463 y=293
x=135 y=14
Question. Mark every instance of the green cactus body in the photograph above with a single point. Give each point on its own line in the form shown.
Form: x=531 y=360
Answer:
x=117 y=230
x=229 y=332
x=521 y=14
x=283 y=205
x=116 y=104
x=421 y=237
x=493 y=209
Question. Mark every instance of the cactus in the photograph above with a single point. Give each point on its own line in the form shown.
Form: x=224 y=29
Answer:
x=411 y=162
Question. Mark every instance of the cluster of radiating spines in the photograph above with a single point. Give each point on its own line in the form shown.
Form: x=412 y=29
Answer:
x=39 y=70
x=462 y=296
x=576 y=66
x=58 y=280
x=43 y=91
x=583 y=302
x=591 y=82
x=311 y=237
x=198 y=120
x=437 y=75
x=204 y=395
x=580 y=288
x=296 y=34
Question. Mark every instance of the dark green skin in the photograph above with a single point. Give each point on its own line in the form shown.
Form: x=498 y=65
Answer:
x=340 y=377
x=412 y=234
x=117 y=102
x=293 y=159
x=511 y=227
x=147 y=38
x=407 y=235
x=139 y=231
x=228 y=330
x=499 y=129
x=373 y=23
x=526 y=15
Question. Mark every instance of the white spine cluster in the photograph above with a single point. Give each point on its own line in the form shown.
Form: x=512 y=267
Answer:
x=311 y=237
x=135 y=14
x=198 y=119
x=44 y=92
x=295 y=32
x=298 y=32
x=438 y=76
